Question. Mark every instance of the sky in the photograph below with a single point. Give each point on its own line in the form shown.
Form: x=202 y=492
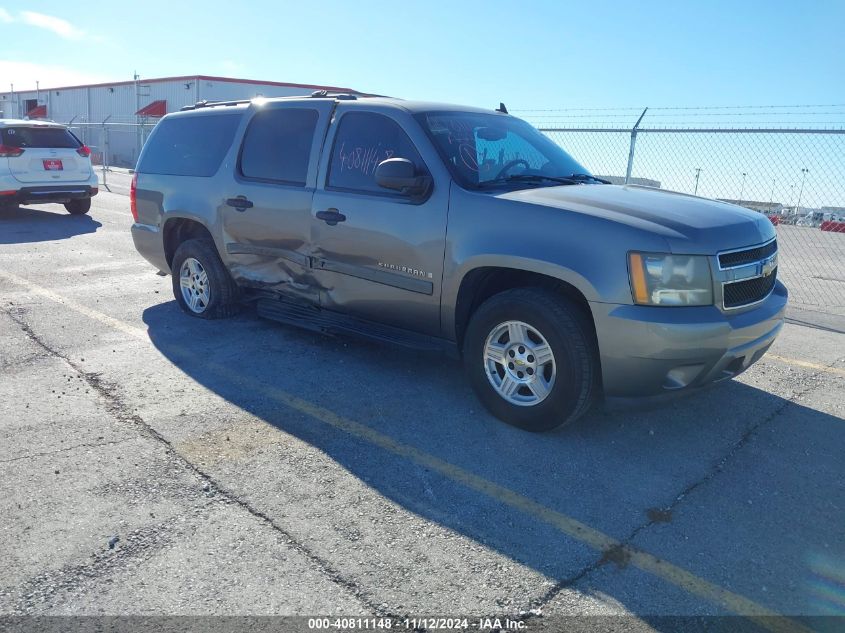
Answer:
x=554 y=62
x=531 y=55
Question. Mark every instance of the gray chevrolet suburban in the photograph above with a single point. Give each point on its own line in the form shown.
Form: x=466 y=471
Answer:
x=461 y=230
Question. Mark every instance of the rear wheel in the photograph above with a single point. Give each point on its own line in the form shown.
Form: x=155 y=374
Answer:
x=201 y=284
x=530 y=358
x=79 y=206
x=8 y=205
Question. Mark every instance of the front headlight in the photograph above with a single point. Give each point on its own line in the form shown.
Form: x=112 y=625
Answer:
x=662 y=279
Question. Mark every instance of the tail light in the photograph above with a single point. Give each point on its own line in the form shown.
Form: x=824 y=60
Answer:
x=84 y=151
x=7 y=151
x=133 y=189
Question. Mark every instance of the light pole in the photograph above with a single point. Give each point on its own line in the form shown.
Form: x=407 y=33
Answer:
x=697 y=175
x=742 y=189
x=804 y=172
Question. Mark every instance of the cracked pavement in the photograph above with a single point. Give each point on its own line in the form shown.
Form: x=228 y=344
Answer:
x=244 y=467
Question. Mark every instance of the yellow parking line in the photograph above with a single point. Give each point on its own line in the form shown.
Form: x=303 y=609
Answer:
x=803 y=363
x=573 y=528
x=76 y=307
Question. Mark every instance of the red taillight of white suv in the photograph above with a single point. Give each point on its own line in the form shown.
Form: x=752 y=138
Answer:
x=84 y=151
x=133 y=188
x=7 y=151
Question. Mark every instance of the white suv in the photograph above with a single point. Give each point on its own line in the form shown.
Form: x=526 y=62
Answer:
x=42 y=162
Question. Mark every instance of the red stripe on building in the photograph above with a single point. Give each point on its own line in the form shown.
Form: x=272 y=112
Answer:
x=183 y=78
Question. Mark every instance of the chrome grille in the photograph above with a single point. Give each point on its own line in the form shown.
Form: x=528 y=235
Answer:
x=743 y=293
x=747 y=275
x=747 y=256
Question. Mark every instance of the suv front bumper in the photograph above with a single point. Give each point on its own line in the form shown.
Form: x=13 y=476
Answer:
x=647 y=350
x=55 y=193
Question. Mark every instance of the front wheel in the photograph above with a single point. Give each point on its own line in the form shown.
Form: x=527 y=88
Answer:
x=530 y=358
x=201 y=284
x=80 y=206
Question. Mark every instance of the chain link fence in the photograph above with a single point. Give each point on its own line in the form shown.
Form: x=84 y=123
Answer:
x=113 y=143
x=796 y=177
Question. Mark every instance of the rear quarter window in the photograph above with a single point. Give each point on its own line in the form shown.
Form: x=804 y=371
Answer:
x=38 y=137
x=189 y=145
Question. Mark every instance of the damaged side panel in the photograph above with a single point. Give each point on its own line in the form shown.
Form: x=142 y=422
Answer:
x=266 y=212
x=267 y=244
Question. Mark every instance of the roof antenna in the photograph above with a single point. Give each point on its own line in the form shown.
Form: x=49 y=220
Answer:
x=502 y=108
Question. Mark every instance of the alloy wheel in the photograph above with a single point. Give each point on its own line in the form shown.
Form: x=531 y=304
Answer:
x=519 y=363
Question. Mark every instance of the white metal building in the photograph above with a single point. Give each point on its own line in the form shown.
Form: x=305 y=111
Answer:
x=115 y=118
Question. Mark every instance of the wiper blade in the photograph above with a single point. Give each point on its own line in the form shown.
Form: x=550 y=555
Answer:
x=573 y=179
x=565 y=180
x=583 y=177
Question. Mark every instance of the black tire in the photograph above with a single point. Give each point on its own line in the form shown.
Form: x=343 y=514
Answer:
x=80 y=206
x=6 y=206
x=223 y=293
x=568 y=332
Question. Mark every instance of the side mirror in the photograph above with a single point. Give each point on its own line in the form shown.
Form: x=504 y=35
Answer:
x=401 y=174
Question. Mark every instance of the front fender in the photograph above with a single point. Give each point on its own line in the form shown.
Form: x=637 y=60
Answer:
x=452 y=283
x=583 y=250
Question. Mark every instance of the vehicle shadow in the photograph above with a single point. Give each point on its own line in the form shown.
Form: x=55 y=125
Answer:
x=674 y=475
x=25 y=224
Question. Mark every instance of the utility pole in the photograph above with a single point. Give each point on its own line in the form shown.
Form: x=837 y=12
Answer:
x=137 y=117
x=772 y=196
x=697 y=174
x=742 y=189
x=804 y=172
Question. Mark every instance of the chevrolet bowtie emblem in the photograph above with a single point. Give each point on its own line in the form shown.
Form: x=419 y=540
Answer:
x=768 y=265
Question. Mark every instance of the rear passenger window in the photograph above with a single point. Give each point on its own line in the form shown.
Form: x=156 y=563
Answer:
x=189 y=145
x=363 y=140
x=277 y=145
x=37 y=137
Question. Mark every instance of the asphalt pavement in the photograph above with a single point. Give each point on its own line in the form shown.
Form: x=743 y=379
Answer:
x=151 y=463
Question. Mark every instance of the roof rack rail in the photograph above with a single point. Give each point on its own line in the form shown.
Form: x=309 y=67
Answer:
x=325 y=94
x=211 y=104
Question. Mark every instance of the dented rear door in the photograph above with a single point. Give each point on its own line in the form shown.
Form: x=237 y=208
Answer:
x=267 y=207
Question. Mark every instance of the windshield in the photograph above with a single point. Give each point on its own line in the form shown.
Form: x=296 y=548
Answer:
x=484 y=150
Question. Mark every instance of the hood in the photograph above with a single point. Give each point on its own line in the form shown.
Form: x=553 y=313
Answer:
x=690 y=225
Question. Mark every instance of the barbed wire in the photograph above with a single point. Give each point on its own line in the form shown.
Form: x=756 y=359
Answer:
x=687 y=125
x=698 y=114
x=640 y=108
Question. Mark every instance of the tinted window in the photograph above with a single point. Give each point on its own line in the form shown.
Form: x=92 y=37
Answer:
x=38 y=137
x=189 y=145
x=364 y=140
x=277 y=145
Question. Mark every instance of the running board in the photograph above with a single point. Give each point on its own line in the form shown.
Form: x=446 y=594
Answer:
x=329 y=322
